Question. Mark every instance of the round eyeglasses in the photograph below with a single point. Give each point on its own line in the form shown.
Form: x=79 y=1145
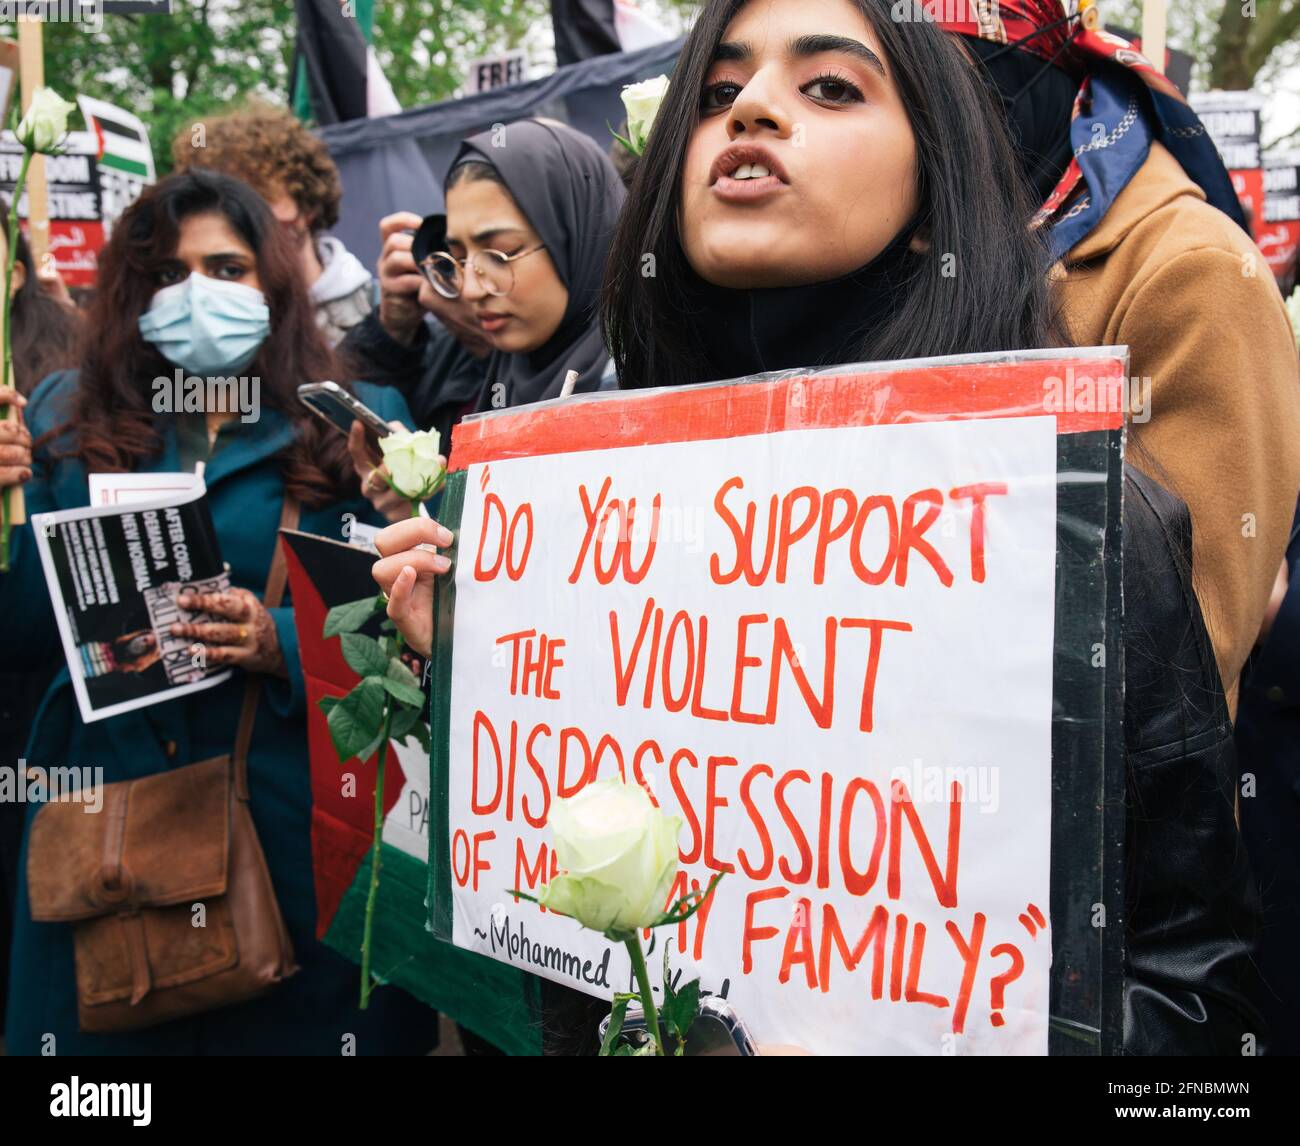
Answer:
x=495 y=271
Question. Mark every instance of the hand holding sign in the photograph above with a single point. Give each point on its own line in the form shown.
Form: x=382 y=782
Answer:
x=15 y=442
x=406 y=573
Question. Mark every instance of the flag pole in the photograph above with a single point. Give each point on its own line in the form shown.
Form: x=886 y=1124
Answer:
x=31 y=69
x=1154 y=16
x=31 y=75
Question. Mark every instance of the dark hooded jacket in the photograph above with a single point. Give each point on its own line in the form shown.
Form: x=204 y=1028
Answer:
x=1268 y=742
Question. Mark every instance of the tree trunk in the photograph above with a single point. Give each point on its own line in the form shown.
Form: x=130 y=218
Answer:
x=1248 y=34
x=1231 y=69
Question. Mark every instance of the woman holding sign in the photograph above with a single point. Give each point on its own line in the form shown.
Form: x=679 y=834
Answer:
x=856 y=244
x=197 y=281
x=826 y=184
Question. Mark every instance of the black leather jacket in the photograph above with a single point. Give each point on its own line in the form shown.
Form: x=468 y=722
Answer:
x=1192 y=911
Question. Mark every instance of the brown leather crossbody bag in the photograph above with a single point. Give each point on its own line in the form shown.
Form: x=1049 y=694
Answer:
x=167 y=885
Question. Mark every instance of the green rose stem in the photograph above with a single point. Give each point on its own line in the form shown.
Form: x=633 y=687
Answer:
x=633 y=944
x=376 y=842
x=376 y=853
x=9 y=353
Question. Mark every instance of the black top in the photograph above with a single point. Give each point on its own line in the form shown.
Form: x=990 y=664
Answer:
x=740 y=332
x=1038 y=99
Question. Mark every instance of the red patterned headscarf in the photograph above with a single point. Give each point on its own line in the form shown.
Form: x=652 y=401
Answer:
x=1132 y=115
x=1073 y=41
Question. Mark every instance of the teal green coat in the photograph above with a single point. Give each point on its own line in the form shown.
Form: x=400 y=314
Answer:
x=315 y=1011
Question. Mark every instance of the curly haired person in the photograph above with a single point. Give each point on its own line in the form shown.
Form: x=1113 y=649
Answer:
x=291 y=169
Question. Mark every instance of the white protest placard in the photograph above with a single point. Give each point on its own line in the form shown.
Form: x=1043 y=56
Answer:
x=828 y=648
x=500 y=71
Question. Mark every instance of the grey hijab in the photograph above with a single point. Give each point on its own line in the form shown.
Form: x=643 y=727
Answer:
x=570 y=193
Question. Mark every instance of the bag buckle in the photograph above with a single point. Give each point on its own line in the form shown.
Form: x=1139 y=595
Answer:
x=113 y=885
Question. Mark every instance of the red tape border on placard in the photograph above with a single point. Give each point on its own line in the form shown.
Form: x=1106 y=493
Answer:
x=699 y=413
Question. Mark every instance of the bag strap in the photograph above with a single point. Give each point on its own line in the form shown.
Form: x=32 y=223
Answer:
x=272 y=597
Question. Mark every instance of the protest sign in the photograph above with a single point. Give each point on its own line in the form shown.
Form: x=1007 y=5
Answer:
x=859 y=631
x=126 y=165
x=96 y=175
x=1232 y=120
x=1280 y=233
x=75 y=209
x=9 y=61
x=501 y=71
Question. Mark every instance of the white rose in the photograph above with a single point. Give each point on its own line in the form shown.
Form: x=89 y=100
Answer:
x=619 y=855
x=642 y=102
x=413 y=462
x=45 y=123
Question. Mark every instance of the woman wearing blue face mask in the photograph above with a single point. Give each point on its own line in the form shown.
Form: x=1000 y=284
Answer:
x=199 y=279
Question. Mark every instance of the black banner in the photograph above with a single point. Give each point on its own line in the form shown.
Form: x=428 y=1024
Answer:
x=333 y=49
x=583 y=28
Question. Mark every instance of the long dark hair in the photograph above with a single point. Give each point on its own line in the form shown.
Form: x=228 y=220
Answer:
x=972 y=206
x=113 y=418
x=43 y=329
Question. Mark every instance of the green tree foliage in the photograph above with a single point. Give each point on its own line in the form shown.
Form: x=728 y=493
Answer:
x=172 y=69
x=424 y=45
x=214 y=53
x=1250 y=33
x=1237 y=44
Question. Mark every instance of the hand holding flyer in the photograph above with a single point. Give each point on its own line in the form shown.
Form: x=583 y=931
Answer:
x=117 y=574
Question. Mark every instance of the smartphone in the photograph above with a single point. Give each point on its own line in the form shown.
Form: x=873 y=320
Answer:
x=340 y=409
x=717 y=1031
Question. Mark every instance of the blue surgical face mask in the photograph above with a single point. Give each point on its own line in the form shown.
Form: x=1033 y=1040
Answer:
x=208 y=327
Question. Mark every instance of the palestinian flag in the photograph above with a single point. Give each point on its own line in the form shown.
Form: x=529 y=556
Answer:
x=495 y=1001
x=123 y=138
x=586 y=28
x=336 y=72
x=125 y=156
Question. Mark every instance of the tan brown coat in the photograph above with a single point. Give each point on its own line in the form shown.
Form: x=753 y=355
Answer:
x=1186 y=290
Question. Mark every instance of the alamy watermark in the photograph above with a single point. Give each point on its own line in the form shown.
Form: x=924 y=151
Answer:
x=187 y=394
x=78 y=1099
x=1081 y=393
x=985 y=12
x=32 y=784
x=933 y=784
x=87 y=12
